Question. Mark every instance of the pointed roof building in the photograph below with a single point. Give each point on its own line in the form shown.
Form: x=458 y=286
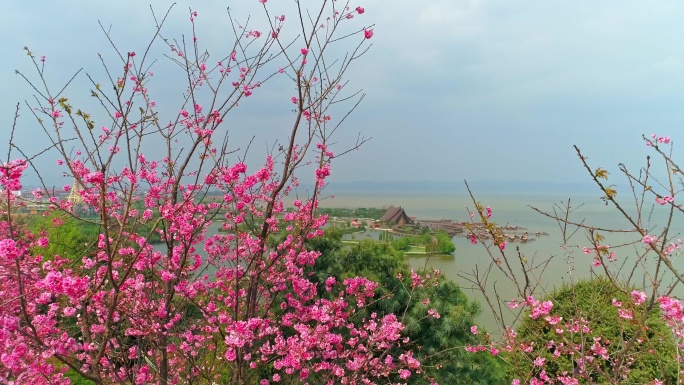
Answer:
x=395 y=216
x=74 y=195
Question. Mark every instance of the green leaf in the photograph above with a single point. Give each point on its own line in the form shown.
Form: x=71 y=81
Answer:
x=601 y=173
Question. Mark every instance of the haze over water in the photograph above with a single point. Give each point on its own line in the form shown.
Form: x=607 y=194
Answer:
x=566 y=265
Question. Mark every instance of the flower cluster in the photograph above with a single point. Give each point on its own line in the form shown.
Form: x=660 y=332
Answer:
x=126 y=310
x=655 y=139
x=10 y=174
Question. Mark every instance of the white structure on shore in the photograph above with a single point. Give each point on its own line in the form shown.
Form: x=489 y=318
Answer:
x=74 y=195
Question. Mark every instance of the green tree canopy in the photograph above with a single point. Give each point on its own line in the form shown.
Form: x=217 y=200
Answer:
x=441 y=340
x=68 y=237
x=595 y=300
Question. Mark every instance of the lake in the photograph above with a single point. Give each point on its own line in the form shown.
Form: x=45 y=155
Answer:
x=566 y=264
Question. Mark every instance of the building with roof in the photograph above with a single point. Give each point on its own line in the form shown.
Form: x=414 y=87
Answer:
x=396 y=216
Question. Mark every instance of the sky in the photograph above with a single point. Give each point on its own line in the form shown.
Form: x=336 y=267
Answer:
x=476 y=90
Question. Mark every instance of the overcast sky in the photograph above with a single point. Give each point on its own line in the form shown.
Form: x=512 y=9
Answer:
x=482 y=90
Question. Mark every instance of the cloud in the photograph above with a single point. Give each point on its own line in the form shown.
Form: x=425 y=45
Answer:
x=454 y=88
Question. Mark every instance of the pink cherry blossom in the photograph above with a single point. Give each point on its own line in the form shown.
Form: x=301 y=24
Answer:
x=9 y=249
x=649 y=239
x=117 y=310
x=638 y=297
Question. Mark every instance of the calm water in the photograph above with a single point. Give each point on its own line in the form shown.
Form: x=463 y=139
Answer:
x=565 y=265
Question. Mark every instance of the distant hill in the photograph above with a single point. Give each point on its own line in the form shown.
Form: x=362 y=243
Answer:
x=458 y=188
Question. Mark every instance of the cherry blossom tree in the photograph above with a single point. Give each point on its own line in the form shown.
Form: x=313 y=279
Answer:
x=125 y=312
x=623 y=327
